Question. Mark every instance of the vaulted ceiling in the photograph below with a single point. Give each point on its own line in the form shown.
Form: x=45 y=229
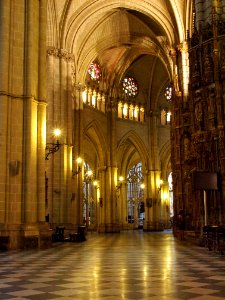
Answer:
x=126 y=37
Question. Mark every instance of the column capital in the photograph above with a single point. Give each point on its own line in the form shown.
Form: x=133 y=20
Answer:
x=183 y=47
x=60 y=53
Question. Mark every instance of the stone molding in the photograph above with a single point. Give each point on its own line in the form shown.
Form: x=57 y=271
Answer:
x=60 y=53
x=22 y=97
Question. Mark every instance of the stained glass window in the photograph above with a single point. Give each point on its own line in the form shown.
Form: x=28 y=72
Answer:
x=130 y=86
x=94 y=71
x=135 y=195
x=168 y=92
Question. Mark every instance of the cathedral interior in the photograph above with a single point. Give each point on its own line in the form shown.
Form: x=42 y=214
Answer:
x=111 y=117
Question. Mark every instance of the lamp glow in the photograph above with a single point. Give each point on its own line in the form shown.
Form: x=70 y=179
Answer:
x=79 y=160
x=89 y=173
x=119 y=182
x=53 y=147
x=142 y=186
x=57 y=132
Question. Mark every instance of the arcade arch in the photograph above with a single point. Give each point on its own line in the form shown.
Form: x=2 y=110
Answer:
x=136 y=40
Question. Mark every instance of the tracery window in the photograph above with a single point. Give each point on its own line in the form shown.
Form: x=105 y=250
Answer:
x=165 y=117
x=94 y=98
x=131 y=111
x=168 y=93
x=130 y=86
x=88 y=196
x=94 y=71
x=135 y=195
x=125 y=110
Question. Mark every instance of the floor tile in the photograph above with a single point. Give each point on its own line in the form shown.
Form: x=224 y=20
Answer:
x=125 y=266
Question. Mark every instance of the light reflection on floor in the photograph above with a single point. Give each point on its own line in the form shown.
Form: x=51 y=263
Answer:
x=126 y=265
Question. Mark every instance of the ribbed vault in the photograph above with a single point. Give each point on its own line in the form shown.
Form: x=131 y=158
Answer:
x=118 y=34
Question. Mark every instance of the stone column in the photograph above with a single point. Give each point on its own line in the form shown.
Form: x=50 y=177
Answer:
x=78 y=152
x=110 y=207
x=102 y=200
x=22 y=89
x=59 y=166
x=4 y=100
x=123 y=206
x=31 y=48
x=152 y=222
x=112 y=167
x=183 y=47
x=41 y=111
x=148 y=201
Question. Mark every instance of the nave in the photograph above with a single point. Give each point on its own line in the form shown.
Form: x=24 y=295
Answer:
x=130 y=265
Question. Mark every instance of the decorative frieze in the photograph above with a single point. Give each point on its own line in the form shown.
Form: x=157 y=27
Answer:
x=61 y=53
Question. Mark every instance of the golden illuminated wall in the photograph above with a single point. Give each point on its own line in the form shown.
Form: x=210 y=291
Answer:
x=23 y=117
x=59 y=115
x=43 y=62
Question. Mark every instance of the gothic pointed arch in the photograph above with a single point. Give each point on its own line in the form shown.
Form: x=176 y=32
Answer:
x=131 y=149
x=94 y=137
x=165 y=157
x=75 y=20
x=123 y=39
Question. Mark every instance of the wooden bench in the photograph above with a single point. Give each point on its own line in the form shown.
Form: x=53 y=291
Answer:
x=78 y=236
x=4 y=242
x=73 y=237
x=58 y=235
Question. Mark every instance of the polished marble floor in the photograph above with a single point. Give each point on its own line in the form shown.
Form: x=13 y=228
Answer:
x=129 y=265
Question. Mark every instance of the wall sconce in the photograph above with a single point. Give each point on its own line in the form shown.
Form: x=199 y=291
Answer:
x=88 y=175
x=95 y=183
x=119 y=183
x=142 y=186
x=160 y=185
x=79 y=169
x=53 y=147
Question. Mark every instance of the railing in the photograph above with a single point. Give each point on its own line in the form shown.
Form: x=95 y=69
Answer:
x=214 y=238
x=131 y=111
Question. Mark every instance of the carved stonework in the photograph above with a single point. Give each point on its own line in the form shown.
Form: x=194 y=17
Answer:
x=60 y=53
x=208 y=63
x=221 y=27
x=112 y=105
x=222 y=144
x=73 y=75
x=207 y=32
x=222 y=59
x=195 y=79
x=186 y=148
x=195 y=38
x=211 y=104
x=186 y=119
x=198 y=133
x=198 y=113
x=183 y=47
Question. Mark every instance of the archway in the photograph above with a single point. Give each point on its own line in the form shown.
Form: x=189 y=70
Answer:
x=135 y=197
